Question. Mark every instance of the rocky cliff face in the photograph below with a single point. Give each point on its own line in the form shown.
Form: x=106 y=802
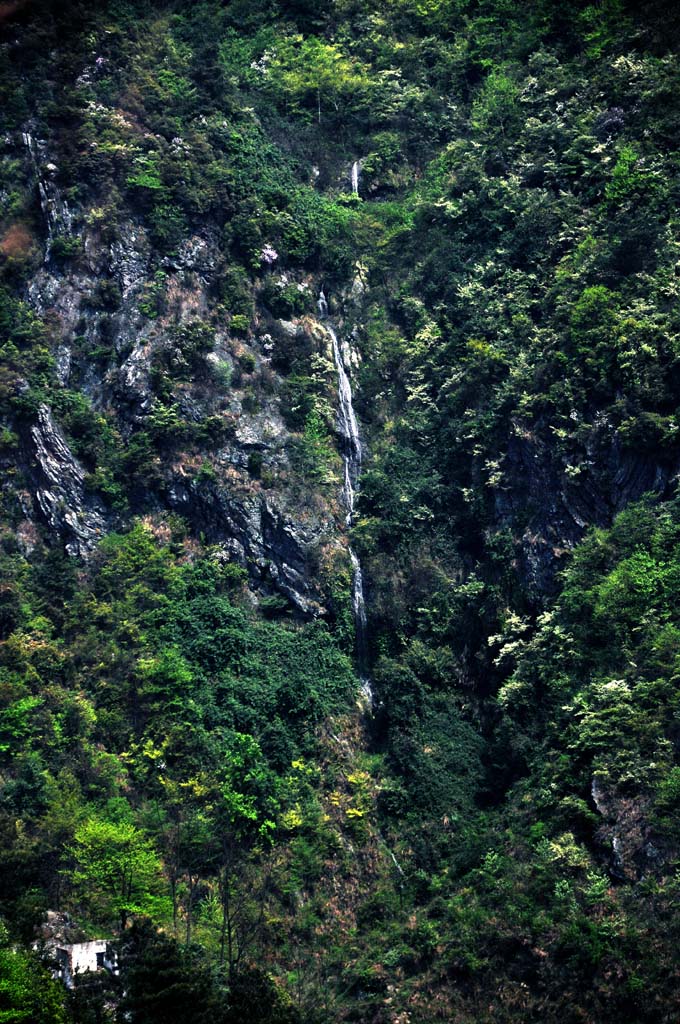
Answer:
x=630 y=848
x=552 y=497
x=59 y=487
x=143 y=337
x=121 y=319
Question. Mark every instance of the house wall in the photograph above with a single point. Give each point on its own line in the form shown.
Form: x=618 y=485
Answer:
x=84 y=955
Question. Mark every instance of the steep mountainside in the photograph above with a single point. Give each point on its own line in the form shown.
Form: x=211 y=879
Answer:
x=339 y=534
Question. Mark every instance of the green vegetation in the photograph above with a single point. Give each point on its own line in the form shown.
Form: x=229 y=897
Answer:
x=27 y=992
x=184 y=767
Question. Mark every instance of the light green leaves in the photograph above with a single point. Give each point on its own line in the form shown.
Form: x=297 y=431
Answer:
x=117 y=872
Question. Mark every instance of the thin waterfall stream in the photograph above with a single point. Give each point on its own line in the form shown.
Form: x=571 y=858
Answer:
x=351 y=454
x=354 y=177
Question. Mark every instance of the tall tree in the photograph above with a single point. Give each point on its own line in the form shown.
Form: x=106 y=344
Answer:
x=117 y=871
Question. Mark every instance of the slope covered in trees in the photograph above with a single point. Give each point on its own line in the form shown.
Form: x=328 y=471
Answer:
x=486 y=197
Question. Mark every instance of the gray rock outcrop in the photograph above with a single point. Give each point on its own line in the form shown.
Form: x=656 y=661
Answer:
x=60 y=492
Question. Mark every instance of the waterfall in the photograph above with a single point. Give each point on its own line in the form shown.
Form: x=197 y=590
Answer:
x=356 y=167
x=348 y=429
x=360 y=626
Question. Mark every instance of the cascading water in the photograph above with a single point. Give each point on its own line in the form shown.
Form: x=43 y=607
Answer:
x=356 y=167
x=351 y=454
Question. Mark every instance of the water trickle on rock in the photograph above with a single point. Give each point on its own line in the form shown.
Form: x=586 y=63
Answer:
x=356 y=168
x=348 y=429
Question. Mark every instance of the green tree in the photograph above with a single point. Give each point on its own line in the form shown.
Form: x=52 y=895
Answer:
x=302 y=69
x=254 y=997
x=28 y=994
x=117 y=872
x=315 y=446
x=165 y=983
x=630 y=177
x=495 y=111
x=244 y=805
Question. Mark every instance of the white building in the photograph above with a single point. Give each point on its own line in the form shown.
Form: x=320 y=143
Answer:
x=81 y=957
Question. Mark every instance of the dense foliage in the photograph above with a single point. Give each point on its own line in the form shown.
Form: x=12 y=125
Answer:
x=183 y=764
